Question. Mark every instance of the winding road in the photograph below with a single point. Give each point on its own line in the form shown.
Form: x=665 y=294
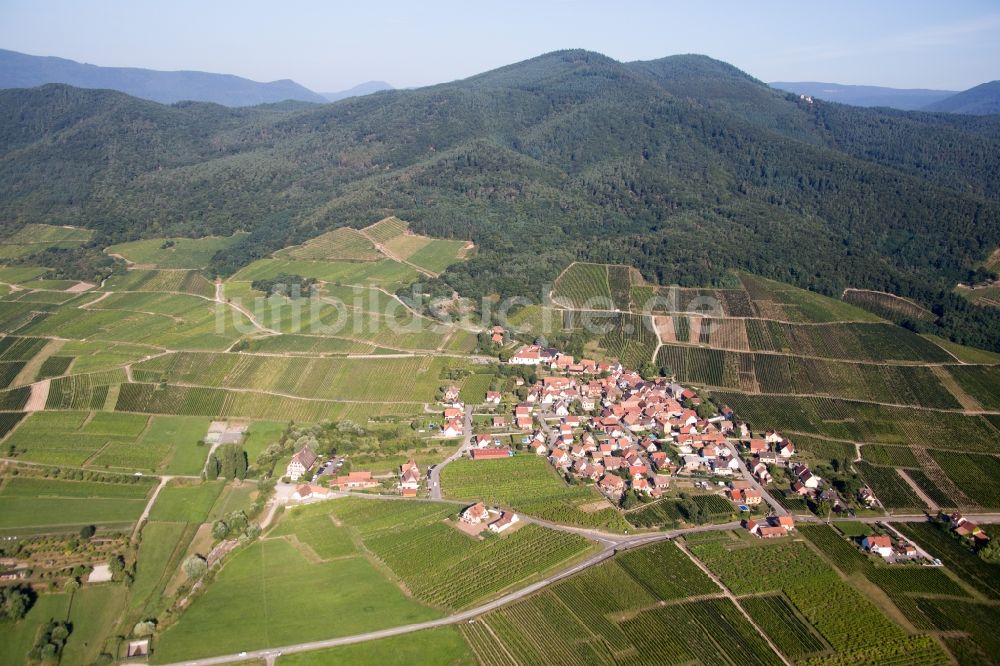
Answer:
x=611 y=544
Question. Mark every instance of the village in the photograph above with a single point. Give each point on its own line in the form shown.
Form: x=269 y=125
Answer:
x=602 y=424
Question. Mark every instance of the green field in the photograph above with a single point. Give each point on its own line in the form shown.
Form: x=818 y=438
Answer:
x=103 y=440
x=274 y=594
x=438 y=254
x=185 y=502
x=178 y=321
x=529 y=484
x=413 y=379
x=445 y=567
x=29 y=503
x=178 y=253
x=161 y=545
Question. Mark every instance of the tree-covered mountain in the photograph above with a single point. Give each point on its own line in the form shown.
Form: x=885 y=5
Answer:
x=904 y=99
x=981 y=100
x=20 y=70
x=685 y=167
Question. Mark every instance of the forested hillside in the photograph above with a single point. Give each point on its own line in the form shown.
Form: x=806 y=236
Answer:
x=684 y=167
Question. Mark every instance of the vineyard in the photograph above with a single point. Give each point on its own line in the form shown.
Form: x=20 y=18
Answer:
x=843 y=616
x=776 y=300
x=777 y=618
x=414 y=379
x=887 y=306
x=106 y=440
x=782 y=374
x=860 y=422
x=620 y=284
x=529 y=484
x=666 y=572
x=889 y=456
x=940 y=543
x=975 y=474
x=343 y=244
x=200 y=401
x=890 y=488
x=386 y=229
x=848 y=341
x=187 y=282
x=608 y=614
x=447 y=568
x=584 y=286
x=87 y=391
x=711 y=632
x=631 y=340
x=179 y=321
x=982 y=382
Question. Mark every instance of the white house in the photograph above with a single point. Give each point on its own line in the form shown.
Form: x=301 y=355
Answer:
x=506 y=519
x=878 y=544
x=301 y=462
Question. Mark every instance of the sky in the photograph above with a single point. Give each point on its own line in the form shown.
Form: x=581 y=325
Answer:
x=330 y=46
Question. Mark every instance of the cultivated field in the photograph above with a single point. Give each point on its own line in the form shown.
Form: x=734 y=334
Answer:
x=446 y=567
x=529 y=484
x=173 y=252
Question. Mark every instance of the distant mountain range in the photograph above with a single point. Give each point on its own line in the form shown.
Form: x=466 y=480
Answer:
x=982 y=100
x=906 y=99
x=19 y=70
x=366 y=88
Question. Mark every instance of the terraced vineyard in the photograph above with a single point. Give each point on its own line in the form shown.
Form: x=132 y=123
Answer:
x=887 y=306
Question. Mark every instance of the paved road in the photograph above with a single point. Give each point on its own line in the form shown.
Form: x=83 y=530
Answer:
x=435 y=478
x=775 y=505
x=613 y=543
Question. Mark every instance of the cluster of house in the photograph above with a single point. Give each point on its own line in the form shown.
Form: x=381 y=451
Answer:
x=454 y=411
x=771 y=527
x=965 y=528
x=305 y=459
x=621 y=443
x=495 y=520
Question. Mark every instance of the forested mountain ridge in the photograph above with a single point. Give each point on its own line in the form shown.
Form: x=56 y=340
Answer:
x=983 y=99
x=684 y=167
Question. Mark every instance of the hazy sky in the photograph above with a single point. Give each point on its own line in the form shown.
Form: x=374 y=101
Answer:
x=329 y=46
